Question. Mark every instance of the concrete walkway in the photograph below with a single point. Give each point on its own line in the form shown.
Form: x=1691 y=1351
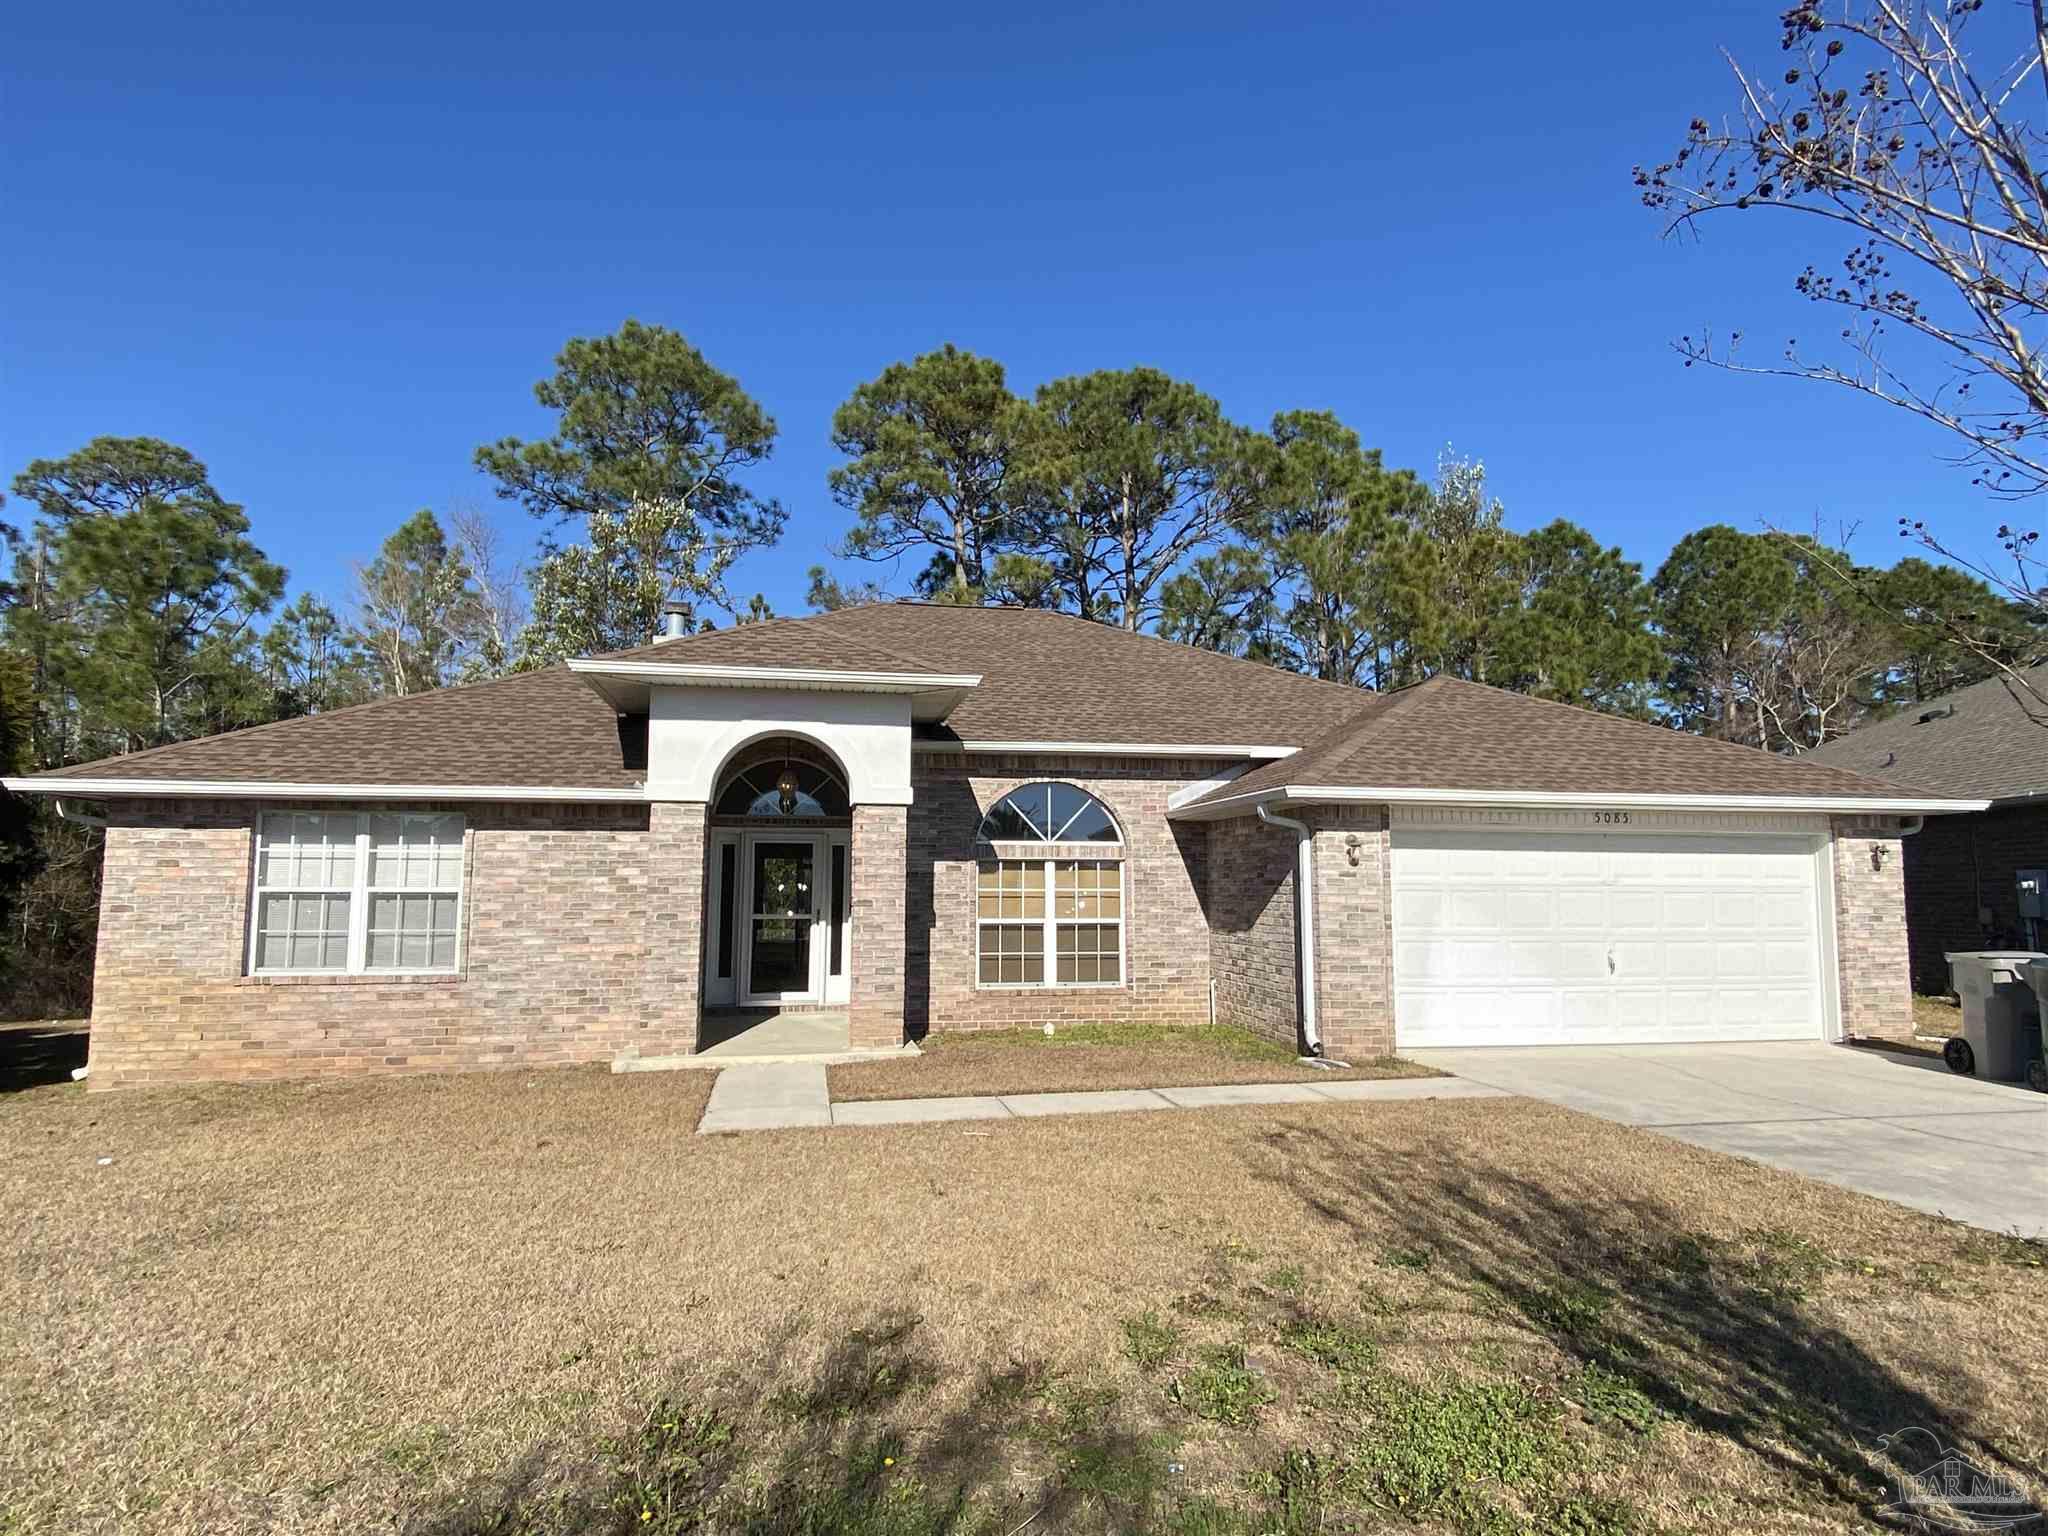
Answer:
x=773 y=1097
x=1897 y=1126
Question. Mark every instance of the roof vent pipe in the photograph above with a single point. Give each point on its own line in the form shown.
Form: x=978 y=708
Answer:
x=675 y=620
x=1304 y=919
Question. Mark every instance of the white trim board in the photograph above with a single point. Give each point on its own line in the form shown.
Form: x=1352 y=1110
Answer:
x=1340 y=794
x=754 y=677
x=1107 y=748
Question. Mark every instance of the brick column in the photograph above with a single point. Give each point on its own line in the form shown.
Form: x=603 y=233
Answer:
x=1870 y=928
x=880 y=898
x=672 y=981
x=1354 y=920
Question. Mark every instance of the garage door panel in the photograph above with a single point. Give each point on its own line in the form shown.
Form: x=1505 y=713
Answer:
x=1580 y=911
x=1467 y=908
x=1603 y=938
x=1688 y=960
x=1419 y=908
x=1786 y=962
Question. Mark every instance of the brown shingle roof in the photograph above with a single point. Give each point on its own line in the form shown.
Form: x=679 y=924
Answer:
x=1988 y=742
x=1447 y=734
x=533 y=728
x=808 y=642
x=1053 y=677
x=1046 y=677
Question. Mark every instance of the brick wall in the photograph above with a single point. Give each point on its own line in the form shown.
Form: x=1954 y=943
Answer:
x=1251 y=928
x=1870 y=928
x=877 y=850
x=1960 y=891
x=1354 y=930
x=1166 y=938
x=578 y=945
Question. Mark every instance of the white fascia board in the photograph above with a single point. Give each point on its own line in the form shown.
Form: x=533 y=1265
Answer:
x=244 y=789
x=1110 y=748
x=707 y=675
x=1338 y=794
x=1201 y=787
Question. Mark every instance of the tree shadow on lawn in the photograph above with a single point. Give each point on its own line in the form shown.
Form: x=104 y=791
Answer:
x=774 y=1457
x=1713 y=1331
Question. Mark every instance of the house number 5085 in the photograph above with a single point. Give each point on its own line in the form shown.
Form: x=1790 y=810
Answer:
x=1611 y=818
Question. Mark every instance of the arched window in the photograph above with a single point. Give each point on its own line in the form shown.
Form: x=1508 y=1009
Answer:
x=1049 y=813
x=1049 y=921
x=784 y=779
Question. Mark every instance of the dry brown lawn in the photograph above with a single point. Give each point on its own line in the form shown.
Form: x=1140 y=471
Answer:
x=1087 y=1057
x=539 y=1302
x=1936 y=1017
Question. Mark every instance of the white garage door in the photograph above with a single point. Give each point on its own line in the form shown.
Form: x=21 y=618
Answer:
x=1539 y=937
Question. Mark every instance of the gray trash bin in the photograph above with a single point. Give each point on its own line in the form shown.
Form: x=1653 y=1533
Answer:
x=1999 y=1008
x=2036 y=972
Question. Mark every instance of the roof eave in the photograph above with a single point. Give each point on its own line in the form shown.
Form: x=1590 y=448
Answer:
x=1216 y=807
x=628 y=685
x=265 y=789
x=1108 y=748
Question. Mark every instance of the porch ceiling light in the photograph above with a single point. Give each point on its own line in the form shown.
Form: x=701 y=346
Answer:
x=785 y=789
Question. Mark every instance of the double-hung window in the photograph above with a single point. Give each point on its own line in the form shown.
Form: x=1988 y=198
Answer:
x=346 y=892
x=1049 y=921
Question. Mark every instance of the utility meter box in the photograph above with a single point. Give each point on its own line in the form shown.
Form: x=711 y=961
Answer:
x=2032 y=887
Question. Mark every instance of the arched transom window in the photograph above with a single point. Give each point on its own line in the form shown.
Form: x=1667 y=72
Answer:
x=1050 y=922
x=785 y=779
x=1049 y=813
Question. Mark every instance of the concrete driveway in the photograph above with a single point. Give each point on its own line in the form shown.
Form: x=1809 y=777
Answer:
x=1899 y=1127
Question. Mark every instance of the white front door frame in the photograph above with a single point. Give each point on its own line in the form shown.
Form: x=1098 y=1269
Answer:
x=820 y=923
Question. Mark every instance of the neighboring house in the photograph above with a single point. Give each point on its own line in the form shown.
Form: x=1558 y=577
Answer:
x=944 y=818
x=1986 y=742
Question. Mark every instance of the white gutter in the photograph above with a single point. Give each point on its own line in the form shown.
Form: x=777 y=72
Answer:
x=803 y=677
x=238 y=789
x=1344 y=794
x=1304 y=918
x=1111 y=748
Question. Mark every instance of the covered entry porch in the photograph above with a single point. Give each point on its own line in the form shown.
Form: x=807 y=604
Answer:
x=787 y=854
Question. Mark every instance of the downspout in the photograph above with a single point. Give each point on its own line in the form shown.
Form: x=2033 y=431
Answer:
x=1304 y=919
x=83 y=818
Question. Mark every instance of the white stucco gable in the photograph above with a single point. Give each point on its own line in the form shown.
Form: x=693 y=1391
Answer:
x=693 y=732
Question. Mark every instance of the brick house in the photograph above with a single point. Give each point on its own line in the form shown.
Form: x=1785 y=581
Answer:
x=916 y=818
x=1987 y=742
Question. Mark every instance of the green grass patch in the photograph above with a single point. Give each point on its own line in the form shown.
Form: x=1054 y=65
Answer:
x=1420 y=1447
x=1784 y=1264
x=1340 y=1346
x=1150 y=1340
x=1614 y=1397
x=2005 y=1248
x=1287 y=1278
x=676 y=1466
x=1573 y=1308
x=1417 y=1259
x=1222 y=1389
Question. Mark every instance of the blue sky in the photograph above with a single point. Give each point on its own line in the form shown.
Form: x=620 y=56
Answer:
x=331 y=253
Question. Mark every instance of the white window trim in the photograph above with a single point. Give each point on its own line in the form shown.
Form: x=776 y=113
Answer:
x=1050 y=925
x=359 y=892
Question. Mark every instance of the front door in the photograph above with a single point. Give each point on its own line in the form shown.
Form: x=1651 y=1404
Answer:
x=782 y=876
